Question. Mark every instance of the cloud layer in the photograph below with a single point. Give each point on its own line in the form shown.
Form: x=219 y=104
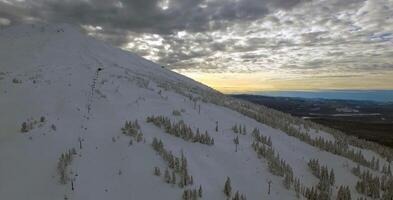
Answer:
x=294 y=38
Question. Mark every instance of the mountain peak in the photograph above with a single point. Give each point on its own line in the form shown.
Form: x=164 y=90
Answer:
x=53 y=46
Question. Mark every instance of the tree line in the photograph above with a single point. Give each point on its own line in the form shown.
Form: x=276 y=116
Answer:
x=239 y=129
x=133 y=129
x=373 y=186
x=181 y=130
x=177 y=171
x=326 y=178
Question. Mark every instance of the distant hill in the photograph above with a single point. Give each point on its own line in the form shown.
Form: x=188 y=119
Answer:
x=366 y=119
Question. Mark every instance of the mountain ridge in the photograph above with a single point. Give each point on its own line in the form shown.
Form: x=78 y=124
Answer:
x=77 y=127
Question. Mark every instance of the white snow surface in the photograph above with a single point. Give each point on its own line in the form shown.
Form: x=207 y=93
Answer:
x=57 y=66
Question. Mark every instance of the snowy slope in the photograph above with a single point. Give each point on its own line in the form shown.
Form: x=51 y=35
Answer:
x=52 y=71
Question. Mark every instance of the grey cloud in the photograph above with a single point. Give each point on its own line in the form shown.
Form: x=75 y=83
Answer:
x=313 y=36
x=253 y=56
x=337 y=76
x=299 y=36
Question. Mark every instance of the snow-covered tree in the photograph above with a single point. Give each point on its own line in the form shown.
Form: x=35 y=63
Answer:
x=228 y=187
x=64 y=161
x=200 y=192
x=181 y=130
x=236 y=141
x=173 y=179
x=343 y=193
x=332 y=177
x=235 y=129
x=157 y=171
x=287 y=181
x=368 y=184
x=24 y=128
x=132 y=129
x=167 y=177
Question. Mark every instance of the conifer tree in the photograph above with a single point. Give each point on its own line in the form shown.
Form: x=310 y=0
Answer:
x=237 y=196
x=24 y=128
x=297 y=187
x=236 y=141
x=388 y=189
x=235 y=129
x=269 y=141
x=228 y=187
x=173 y=180
x=186 y=195
x=167 y=177
x=194 y=194
x=343 y=193
x=287 y=181
x=331 y=177
x=157 y=171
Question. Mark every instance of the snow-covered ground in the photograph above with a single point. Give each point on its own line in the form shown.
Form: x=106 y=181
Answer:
x=53 y=71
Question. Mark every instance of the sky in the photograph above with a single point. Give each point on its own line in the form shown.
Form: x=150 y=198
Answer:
x=239 y=46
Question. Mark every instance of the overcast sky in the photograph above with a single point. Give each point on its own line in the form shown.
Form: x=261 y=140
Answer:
x=239 y=45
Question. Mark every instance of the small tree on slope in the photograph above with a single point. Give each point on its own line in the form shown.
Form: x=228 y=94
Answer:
x=228 y=187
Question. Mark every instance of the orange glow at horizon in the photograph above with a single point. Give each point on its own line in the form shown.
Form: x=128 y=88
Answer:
x=259 y=81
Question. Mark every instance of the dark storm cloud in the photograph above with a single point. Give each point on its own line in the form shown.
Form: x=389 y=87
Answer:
x=12 y=13
x=143 y=15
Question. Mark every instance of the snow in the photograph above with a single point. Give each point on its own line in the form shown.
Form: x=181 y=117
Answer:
x=347 y=110
x=58 y=67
